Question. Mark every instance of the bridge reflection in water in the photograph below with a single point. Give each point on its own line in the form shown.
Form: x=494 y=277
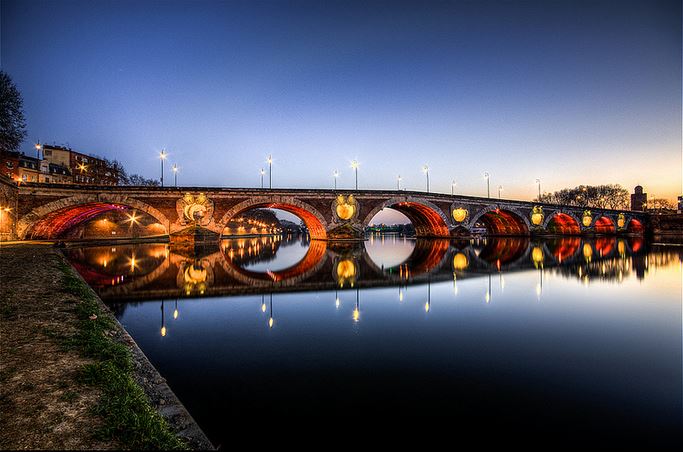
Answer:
x=545 y=337
x=268 y=264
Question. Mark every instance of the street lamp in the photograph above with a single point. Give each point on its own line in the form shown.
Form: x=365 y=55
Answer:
x=425 y=169
x=538 y=181
x=38 y=148
x=162 y=157
x=175 y=174
x=270 y=171
x=453 y=187
x=398 y=183
x=500 y=188
x=355 y=165
x=335 y=174
x=262 y=172
x=487 y=176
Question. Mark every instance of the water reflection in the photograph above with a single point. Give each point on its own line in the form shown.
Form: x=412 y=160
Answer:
x=496 y=333
x=293 y=263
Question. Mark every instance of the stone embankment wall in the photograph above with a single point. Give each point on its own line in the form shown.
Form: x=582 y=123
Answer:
x=8 y=208
x=667 y=224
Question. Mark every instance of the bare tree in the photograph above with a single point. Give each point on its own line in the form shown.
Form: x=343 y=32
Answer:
x=601 y=196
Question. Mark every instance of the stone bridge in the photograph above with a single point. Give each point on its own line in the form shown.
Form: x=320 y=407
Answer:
x=46 y=211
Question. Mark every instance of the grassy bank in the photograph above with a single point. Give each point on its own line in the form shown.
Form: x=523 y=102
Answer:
x=128 y=417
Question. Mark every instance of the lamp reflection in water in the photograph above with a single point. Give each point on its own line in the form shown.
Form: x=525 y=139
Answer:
x=263 y=303
x=487 y=297
x=271 y=320
x=538 y=257
x=175 y=311
x=428 y=304
x=356 y=310
x=336 y=299
x=400 y=294
x=163 y=323
x=539 y=286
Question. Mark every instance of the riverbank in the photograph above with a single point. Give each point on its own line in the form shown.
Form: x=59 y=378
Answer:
x=70 y=375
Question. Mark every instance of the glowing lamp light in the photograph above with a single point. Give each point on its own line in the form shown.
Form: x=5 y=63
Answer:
x=621 y=221
x=163 y=331
x=537 y=216
x=460 y=262
x=537 y=256
x=459 y=214
x=587 y=252
x=175 y=314
x=271 y=322
x=621 y=248
x=427 y=307
x=356 y=314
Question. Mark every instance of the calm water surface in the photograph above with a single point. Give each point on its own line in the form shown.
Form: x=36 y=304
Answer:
x=569 y=339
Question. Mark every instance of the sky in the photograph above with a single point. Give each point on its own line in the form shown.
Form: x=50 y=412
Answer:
x=569 y=92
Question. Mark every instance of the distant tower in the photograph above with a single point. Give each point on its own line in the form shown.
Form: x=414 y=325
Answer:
x=638 y=199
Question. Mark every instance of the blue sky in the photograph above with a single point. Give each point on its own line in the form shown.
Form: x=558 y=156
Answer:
x=571 y=92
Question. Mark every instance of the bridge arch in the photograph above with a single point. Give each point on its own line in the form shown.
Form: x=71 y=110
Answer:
x=54 y=218
x=604 y=225
x=314 y=220
x=562 y=222
x=427 y=218
x=635 y=226
x=501 y=221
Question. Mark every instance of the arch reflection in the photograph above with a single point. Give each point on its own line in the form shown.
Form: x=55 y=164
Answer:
x=154 y=271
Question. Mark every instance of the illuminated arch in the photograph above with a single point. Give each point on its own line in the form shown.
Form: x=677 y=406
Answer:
x=565 y=223
x=635 y=226
x=505 y=221
x=604 y=225
x=54 y=218
x=314 y=221
x=428 y=219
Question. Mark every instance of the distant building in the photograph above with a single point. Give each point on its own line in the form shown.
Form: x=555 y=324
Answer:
x=680 y=204
x=58 y=165
x=84 y=169
x=20 y=167
x=638 y=199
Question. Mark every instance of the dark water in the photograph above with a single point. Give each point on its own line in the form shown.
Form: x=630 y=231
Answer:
x=572 y=341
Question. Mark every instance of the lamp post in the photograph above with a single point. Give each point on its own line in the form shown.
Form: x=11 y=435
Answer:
x=270 y=171
x=425 y=169
x=453 y=187
x=162 y=157
x=487 y=176
x=355 y=165
x=38 y=148
x=335 y=175
x=398 y=183
x=538 y=182
x=175 y=174
x=500 y=188
x=262 y=172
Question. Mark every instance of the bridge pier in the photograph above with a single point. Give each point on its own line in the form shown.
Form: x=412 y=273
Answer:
x=192 y=238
